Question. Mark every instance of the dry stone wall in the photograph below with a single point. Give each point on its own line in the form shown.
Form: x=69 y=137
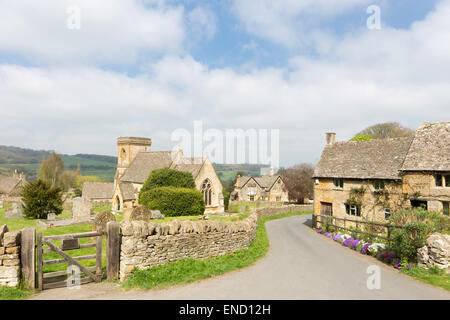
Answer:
x=9 y=257
x=274 y=211
x=150 y=244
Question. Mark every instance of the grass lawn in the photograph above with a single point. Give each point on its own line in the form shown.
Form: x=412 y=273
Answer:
x=189 y=270
x=14 y=293
x=432 y=276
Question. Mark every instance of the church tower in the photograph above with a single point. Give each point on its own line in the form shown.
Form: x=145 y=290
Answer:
x=127 y=150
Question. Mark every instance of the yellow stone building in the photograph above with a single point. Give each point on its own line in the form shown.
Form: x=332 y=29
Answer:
x=369 y=180
x=136 y=161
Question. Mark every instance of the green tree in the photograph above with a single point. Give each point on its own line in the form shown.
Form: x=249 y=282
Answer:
x=364 y=137
x=387 y=130
x=41 y=198
x=67 y=179
x=168 y=178
x=298 y=181
x=51 y=169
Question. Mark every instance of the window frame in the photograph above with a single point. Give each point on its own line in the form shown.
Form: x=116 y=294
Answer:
x=387 y=213
x=338 y=183
x=377 y=183
x=441 y=179
x=353 y=210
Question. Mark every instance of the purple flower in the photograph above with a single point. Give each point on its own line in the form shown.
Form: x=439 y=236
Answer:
x=320 y=231
x=365 y=248
x=337 y=237
x=355 y=243
x=328 y=234
x=348 y=242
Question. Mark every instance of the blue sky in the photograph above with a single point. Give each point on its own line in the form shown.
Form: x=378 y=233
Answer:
x=150 y=67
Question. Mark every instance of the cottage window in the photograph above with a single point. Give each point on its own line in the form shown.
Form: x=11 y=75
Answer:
x=278 y=199
x=339 y=183
x=438 y=181
x=251 y=198
x=447 y=181
x=378 y=184
x=446 y=206
x=387 y=213
x=353 y=210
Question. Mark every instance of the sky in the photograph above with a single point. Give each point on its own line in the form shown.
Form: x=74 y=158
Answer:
x=75 y=75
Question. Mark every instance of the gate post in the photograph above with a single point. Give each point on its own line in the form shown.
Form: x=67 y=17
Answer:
x=112 y=250
x=28 y=257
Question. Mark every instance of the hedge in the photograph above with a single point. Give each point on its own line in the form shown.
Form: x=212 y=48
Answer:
x=168 y=178
x=173 y=202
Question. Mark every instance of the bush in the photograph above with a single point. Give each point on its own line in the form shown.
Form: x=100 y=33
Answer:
x=40 y=199
x=417 y=225
x=364 y=137
x=173 y=201
x=167 y=178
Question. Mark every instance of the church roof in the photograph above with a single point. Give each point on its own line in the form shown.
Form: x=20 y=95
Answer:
x=192 y=165
x=127 y=190
x=98 y=190
x=373 y=159
x=144 y=164
x=430 y=149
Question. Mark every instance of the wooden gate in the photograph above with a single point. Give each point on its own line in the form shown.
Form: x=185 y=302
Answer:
x=68 y=242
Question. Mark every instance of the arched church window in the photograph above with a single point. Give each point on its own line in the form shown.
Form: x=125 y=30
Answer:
x=207 y=191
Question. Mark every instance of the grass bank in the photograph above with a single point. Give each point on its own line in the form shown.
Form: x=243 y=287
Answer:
x=190 y=270
x=433 y=276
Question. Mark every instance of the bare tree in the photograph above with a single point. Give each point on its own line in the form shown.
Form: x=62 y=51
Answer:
x=298 y=181
x=387 y=130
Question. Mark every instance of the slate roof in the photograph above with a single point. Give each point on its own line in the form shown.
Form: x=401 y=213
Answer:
x=192 y=165
x=144 y=164
x=263 y=181
x=98 y=190
x=9 y=183
x=127 y=191
x=430 y=149
x=373 y=159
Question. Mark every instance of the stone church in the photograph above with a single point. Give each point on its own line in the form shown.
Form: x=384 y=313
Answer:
x=136 y=162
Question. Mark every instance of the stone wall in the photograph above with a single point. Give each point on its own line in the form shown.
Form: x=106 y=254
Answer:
x=274 y=211
x=436 y=252
x=150 y=244
x=9 y=257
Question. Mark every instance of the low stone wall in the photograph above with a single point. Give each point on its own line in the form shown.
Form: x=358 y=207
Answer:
x=436 y=252
x=274 y=211
x=150 y=244
x=9 y=257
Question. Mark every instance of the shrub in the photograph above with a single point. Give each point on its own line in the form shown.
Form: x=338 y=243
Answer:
x=363 y=137
x=40 y=199
x=417 y=224
x=174 y=202
x=167 y=178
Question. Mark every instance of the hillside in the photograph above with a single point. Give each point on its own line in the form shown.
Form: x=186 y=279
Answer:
x=104 y=167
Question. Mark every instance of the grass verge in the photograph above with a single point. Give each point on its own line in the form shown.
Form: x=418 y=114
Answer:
x=433 y=276
x=18 y=293
x=190 y=270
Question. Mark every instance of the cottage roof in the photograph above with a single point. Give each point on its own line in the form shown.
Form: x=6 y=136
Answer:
x=144 y=164
x=98 y=190
x=263 y=181
x=8 y=183
x=127 y=190
x=430 y=149
x=373 y=159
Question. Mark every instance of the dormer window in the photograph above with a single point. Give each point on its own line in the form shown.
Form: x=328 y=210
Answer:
x=378 y=184
x=438 y=180
x=338 y=183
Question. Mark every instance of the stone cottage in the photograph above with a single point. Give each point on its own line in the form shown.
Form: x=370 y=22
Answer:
x=368 y=180
x=136 y=162
x=98 y=192
x=270 y=188
x=10 y=185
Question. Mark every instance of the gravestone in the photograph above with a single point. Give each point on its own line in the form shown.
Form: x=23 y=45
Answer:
x=101 y=220
x=51 y=216
x=15 y=211
x=243 y=209
x=81 y=210
x=1 y=204
x=156 y=214
x=140 y=213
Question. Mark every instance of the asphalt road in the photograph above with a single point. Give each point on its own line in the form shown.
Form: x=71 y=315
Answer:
x=300 y=265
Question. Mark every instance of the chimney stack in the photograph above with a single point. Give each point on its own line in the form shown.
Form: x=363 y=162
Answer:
x=331 y=138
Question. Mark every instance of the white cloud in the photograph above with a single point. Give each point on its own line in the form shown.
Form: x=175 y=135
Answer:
x=202 y=22
x=370 y=77
x=286 y=21
x=112 y=31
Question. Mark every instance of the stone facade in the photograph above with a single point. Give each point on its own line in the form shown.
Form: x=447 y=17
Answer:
x=274 y=211
x=436 y=252
x=136 y=162
x=269 y=188
x=9 y=257
x=150 y=244
x=394 y=173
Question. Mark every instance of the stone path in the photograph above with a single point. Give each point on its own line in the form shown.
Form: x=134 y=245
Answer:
x=300 y=265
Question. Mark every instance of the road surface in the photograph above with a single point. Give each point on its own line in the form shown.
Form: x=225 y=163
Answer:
x=300 y=264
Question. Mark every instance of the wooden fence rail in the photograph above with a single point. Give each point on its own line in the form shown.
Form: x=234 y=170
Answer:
x=389 y=227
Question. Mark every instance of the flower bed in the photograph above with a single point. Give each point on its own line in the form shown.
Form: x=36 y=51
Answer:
x=377 y=250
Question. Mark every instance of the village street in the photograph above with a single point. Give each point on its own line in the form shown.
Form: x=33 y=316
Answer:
x=299 y=265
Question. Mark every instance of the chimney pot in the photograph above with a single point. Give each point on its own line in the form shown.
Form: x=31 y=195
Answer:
x=331 y=138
